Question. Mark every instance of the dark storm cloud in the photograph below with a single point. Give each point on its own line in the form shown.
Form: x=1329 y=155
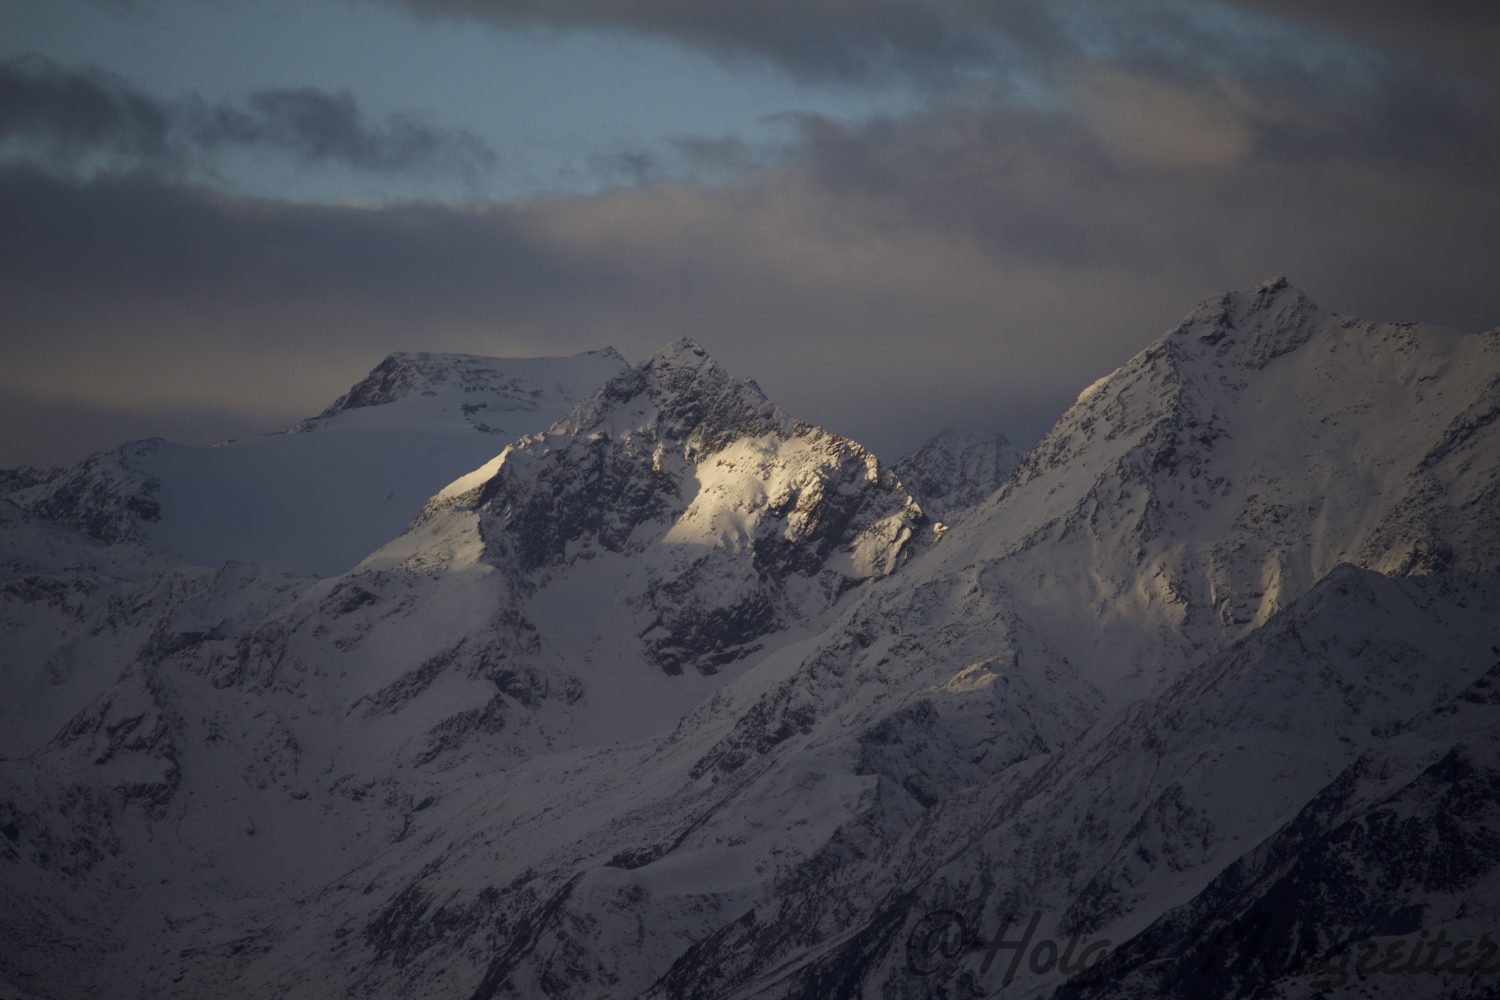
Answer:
x=69 y=113
x=318 y=126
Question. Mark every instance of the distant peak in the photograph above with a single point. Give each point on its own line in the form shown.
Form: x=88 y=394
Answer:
x=683 y=370
x=403 y=374
x=954 y=436
x=690 y=394
x=399 y=374
x=957 y=468
x=442 y=359
x=682 y=351
x=396 y=358
x=1250 y=328
x=1277 y=290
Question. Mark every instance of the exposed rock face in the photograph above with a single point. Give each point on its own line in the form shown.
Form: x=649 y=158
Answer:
x=106 y=496
x=679 y=697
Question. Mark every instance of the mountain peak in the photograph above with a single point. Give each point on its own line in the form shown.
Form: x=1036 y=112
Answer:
x=957 y=468
x=607 y=351
x=683 y=367
x=400 y=374
x=682 y=351
x=404 y=374
x=953 y=436
x=1249 y=329
x=1170 y=392
x=680 y=392
x=1277 y=292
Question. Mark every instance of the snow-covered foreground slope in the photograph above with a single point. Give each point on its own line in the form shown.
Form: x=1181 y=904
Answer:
x=318 y=498
x=683 y=698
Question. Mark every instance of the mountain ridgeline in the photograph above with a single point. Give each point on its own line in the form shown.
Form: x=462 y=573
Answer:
x=565 y=677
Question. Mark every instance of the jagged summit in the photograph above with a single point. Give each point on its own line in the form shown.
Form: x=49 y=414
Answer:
x=681 y=393
x=1171 y=389
x=684 y=351
x=1247 y=329
x=683 y=368
x=1267 y=293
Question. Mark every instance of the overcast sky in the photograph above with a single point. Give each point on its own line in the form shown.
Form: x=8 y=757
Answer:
x=893 y=214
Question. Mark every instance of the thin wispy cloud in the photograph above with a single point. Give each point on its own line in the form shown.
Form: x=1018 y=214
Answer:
x=813 y=39
x=944 y=40
x=67 y=115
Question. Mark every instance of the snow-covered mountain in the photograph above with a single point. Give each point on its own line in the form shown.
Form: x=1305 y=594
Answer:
x=681 y=697
x=957 y=469
x=681 y=507
x=317 y=499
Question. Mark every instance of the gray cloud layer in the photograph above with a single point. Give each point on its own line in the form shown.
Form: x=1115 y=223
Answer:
x=983 y=261
x=69 y=114
x=983 y=258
